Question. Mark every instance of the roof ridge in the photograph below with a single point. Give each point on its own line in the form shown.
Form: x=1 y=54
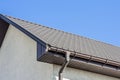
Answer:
x=32 y=23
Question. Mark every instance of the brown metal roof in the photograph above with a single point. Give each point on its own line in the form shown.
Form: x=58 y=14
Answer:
x=70 y=42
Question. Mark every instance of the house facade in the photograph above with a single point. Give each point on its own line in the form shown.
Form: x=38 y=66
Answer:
x=28 y=52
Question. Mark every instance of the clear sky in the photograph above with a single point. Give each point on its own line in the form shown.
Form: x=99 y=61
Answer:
x=96 y=19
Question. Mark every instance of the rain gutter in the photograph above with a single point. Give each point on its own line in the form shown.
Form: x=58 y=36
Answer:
x=89 y=58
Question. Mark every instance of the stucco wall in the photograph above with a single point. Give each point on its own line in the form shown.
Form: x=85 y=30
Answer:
x=18 y=62
x=18 y=58
x=75 y=74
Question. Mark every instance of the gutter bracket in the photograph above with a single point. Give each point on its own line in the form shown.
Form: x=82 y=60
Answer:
x=66 y=62
x=47 y=47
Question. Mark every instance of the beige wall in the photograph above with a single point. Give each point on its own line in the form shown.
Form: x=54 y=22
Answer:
x=18 y=59
x=18 y=62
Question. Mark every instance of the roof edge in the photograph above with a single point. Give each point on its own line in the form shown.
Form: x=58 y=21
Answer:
x=23 y=30
x=58 y=57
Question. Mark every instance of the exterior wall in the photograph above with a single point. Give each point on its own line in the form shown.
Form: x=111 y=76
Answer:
x=18 y=58
x=18 y=61
x=75 y=74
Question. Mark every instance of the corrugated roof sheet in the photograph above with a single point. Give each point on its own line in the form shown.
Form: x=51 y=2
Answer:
x=70 y=41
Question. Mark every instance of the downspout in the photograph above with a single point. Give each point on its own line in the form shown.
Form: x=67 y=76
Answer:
x=66 y=62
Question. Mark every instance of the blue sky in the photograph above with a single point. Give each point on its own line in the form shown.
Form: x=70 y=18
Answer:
x=96 y=19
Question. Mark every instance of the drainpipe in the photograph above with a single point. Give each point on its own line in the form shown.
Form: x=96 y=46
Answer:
x=67 y=59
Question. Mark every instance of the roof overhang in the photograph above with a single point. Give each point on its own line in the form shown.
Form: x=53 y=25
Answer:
x=6 y=21
x=57 y=56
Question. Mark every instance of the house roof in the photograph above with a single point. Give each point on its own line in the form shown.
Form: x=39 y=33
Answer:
x=70 y=42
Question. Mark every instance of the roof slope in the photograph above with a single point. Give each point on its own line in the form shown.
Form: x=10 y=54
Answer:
x=71 y=42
